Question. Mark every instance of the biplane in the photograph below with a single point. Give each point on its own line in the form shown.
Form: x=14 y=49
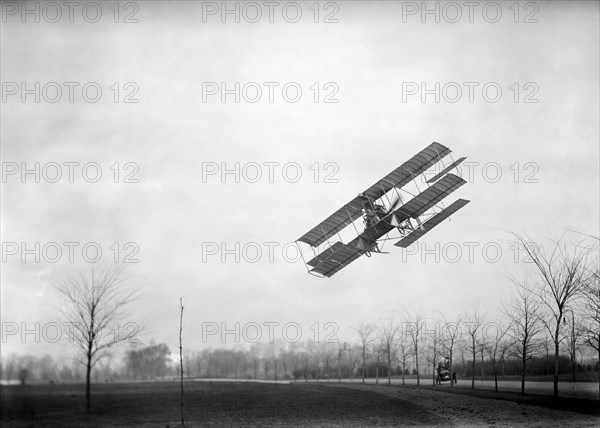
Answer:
x=386 y=209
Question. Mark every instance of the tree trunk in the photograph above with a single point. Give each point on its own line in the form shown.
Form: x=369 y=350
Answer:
x=556 y=350
x=547 y=362
x=452 y=369
x=599 y=372
x=482 y=366
x=88 y=398
x=403 y=368
x=473 y=368
x=88 y=373
x=389 y=369
x=495 y=376
x=417 y=365
x=523 y=363
x=363 y=365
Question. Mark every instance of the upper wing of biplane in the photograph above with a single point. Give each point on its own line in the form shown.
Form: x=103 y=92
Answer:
x=353 y=209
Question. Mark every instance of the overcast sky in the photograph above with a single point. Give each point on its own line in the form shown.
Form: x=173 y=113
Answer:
x=541 y=133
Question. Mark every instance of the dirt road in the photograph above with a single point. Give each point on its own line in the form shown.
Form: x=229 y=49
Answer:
x=565 y=389
x=464 y=410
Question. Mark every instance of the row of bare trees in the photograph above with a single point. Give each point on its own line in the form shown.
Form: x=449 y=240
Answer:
x=393 y=347
x=565 y=279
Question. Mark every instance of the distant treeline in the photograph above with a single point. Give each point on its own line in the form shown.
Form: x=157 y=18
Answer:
x=302 y=361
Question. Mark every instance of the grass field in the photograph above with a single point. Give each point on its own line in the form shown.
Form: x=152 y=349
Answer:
x=156 y=404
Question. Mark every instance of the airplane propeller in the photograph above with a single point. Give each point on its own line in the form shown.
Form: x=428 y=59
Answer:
x=394 y=203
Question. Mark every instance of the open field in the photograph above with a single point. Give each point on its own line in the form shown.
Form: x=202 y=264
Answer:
x=156 y=404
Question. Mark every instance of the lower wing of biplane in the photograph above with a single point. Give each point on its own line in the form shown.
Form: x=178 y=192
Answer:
x=384 y=211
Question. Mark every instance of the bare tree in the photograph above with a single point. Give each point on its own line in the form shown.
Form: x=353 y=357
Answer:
x=378 y=353
x=505 y=348
x=415 y=327
x=463 y=367
x=94 y=303
x=546 y=344
x=452 y=334
x=352 y=360
x=563 y=273
x=434 y=347
x=473 y=325
x=366 y=332
x=273 y=354
x=404 y=350
x=342 y=346
x=327 y=351
x=482 y=353
x=238 y=357
x=389 y=345
x=496 y=344
x=267 y=364
x=591 y=310
x=574 y=337
x=525 y=323
x=256 y=352
x=291 y=359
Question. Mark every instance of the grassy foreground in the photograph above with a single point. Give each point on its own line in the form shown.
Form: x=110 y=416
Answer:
x=156 y=404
